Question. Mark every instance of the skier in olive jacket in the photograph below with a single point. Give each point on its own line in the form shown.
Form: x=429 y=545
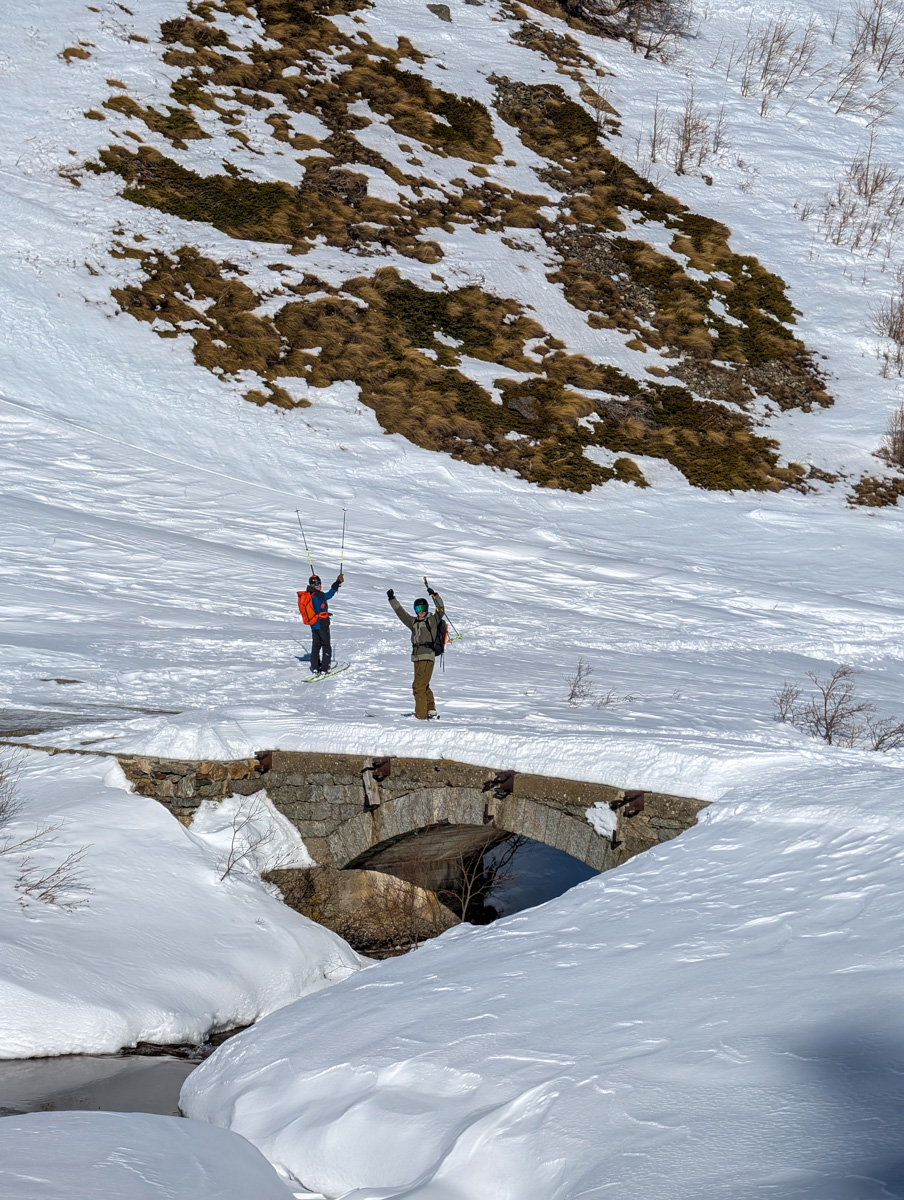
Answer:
x=424 y=627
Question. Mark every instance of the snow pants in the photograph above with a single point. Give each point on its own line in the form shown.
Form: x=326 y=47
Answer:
x=321 y=647
x=423 y=697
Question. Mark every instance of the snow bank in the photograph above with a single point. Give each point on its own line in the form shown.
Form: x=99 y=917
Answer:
x=249 y=833
x=720 y=1015
x=129 y=1156
x=158 y=948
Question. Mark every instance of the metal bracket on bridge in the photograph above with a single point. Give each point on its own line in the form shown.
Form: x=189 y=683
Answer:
x=501 y=786
x=372 y=774
x=631 y=803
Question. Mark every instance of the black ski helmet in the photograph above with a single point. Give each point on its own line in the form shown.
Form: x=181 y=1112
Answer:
x=421 y=605
x=314 y=581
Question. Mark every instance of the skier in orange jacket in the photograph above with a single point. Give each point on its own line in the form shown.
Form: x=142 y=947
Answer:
x=313 y=606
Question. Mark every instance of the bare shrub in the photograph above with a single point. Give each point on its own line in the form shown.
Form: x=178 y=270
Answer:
x=775 y=56
x=878 y=33
x=62 y=884
x=651 y=26
x=580 y=688
x=599 y=102
x=10 y=804
x=894 y=437
x=785 y=701
x=888 y=323
x=246 y=838
x=865 y=211
x=684 y=138
x=691 y=134
x=835 y=713
x=476 y=875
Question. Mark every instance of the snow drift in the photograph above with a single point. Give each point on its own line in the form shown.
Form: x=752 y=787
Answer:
x=156 y=946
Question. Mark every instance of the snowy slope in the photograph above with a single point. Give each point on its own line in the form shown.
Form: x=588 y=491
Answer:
x=719 y=1017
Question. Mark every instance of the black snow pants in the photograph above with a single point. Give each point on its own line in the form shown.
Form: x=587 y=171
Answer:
x=321 y=647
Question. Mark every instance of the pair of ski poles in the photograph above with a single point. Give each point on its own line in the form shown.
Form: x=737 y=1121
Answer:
x=342 y=560
x=305 y=540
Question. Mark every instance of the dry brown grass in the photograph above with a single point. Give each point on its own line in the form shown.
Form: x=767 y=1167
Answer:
x=536 y=430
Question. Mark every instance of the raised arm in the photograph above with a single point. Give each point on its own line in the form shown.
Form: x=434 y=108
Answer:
x=437 y=601
x=404 y=617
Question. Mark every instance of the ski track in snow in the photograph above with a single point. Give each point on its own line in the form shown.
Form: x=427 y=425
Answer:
x=719 y=1017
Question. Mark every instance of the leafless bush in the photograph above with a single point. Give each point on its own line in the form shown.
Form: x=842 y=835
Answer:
x=691 y=134
x=888 y=323
x=399 y=918
x=476 y=876
x=853 y=92
x=651 y=26
x=785 y=701
x=865 y=211
x=10 y=804
x=686 y=137
x=61 y=884
x=775 y=56
x=894 y=437
x=878 y=33
x=246 y=838
x=580 y=688
x=599 y=101
x=835 y=713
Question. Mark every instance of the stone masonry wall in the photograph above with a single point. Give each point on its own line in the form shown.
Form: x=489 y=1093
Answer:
x=433 y=802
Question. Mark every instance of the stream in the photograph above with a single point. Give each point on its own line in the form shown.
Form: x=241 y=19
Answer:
x=111 y=1083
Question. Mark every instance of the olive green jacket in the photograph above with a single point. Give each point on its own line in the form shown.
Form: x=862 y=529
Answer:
x=423 y=629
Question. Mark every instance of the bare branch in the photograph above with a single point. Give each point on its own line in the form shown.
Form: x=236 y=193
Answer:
x=580 y=689
x=835 y=713
x=62 y=884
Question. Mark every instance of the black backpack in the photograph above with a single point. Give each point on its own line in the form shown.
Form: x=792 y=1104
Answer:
x=439 y=638
x=437 y=630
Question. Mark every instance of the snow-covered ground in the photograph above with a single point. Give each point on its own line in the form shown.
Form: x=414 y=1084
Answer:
x=128 y=1156
x=147 y=941
x=721 y=1017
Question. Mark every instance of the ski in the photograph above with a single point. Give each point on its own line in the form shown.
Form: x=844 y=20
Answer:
x=337 y=670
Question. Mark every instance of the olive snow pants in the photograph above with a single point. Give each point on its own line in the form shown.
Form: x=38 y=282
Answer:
x=423 y=697
x=320 y=645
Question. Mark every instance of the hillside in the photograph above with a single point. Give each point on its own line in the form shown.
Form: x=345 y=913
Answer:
x=457 y=272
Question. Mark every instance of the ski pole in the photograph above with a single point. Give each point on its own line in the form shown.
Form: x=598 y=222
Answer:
x=445 y=614
x=342 y=550
x=305 y=540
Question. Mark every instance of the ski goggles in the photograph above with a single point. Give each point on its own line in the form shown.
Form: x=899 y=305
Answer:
x=420 y=606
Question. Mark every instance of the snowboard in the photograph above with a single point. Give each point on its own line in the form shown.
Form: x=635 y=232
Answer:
x=337 y=670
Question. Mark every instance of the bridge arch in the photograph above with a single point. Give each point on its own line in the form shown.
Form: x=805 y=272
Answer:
x=443 y=825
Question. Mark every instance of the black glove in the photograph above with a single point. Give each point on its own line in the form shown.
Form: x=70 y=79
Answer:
x=430 y=591
x=338 y=584
x=390 y=594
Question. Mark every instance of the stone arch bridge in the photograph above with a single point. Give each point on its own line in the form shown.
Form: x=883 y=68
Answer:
x=417 y=819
